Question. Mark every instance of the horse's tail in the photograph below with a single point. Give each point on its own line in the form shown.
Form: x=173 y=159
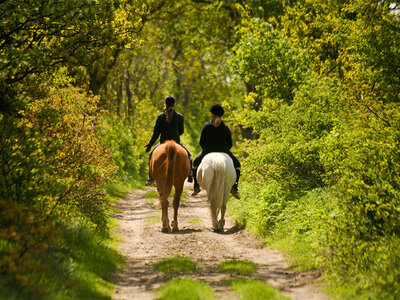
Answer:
x=171 y=152
x=218 y=185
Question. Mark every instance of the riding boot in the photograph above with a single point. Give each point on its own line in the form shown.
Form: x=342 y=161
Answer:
x=150 y=179
x=196 y=186
x=190 y=177
x=234 y=189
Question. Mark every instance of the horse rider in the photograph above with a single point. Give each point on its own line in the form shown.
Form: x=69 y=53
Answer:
x=216 y=137
x=169 y=124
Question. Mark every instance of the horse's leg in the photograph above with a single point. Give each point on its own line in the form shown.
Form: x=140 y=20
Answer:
x=177 y=199
x=164 y=215
x=222 y=220
x=214 y=215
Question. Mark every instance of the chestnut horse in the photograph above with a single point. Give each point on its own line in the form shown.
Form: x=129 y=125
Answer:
x=216 y=174
x=169 y=166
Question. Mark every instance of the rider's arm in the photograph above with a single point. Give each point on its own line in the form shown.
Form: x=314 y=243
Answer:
x=156 y=132
x=181 y=126
x=203 y=139
x=228 y=137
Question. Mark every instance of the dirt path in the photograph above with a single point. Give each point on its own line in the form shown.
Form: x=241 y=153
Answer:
x=144 y=244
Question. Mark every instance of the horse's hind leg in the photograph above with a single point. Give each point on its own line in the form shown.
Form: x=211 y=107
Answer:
x=221 y=222
x=177 y=199
x=223 y=210
x=164 y=215
x=214 y=217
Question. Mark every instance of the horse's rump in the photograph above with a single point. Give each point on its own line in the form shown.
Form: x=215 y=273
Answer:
x=217 y=182
x=169 y=163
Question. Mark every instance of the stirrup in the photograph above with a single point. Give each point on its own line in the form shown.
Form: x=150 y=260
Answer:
x=196 y=190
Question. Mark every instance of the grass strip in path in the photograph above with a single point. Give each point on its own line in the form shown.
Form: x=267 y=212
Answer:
x=237 y=266
x=185 y=289
x=255 y=290
x=175 y=265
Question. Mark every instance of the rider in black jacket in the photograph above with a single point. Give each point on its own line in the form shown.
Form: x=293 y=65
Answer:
x=216 y=137
x=169 y=126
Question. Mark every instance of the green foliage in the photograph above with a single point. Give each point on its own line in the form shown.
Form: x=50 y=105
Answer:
x=194 y=221
x=256 y=289
x=53 y=169
x=320 y=178
x=81 y=267
x=236 y=266
x=303 y=228
x=153 y=220
x=372 y=52
x=94 y=261
x=36 y=35
x=185 y=289
x=125 y=146
x=320 y=28
x=367 y=190
x=268 y=65
x=311 y=90
x=151 y=196
x=263 y=206
x=175 y=265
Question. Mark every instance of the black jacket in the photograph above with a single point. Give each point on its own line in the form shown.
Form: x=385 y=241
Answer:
x=168 y=131
x=215 y=139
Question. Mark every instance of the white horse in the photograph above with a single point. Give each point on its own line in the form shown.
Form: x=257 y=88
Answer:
x=216 y=174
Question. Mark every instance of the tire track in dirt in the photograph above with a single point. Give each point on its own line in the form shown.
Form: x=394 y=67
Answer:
x=143 y=244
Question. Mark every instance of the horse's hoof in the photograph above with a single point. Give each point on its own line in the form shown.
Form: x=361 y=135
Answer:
x=165 y=229
x=174 y=226
x=217 y=230
x=221 y=224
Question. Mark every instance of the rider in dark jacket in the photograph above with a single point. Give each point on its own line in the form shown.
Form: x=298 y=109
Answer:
x=216 y=137
x=169 y=126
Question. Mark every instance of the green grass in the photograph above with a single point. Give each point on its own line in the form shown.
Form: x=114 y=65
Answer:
x=175 y=265
x=151 y=196
x=153 y=220
x=237 y=266
x=95 y=260
x=184 y=289
x=195 y=221
x=184 y=194
x=255 y=290
x=300 y=253
x=120 y=189
x=82 y=271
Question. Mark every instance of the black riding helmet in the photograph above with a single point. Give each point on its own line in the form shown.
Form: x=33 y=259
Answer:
x=217 y=110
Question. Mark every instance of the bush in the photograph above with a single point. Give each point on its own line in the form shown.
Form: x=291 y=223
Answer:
x=363 y=166
x=53 y=172
x=124 y=142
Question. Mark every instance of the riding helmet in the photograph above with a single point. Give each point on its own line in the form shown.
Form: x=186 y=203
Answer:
x=217 y=110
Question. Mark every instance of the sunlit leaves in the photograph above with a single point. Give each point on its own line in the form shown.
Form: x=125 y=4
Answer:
x=267 y=63
x=53 y=171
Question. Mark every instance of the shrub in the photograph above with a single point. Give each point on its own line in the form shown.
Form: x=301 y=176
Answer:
x=53 y=172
